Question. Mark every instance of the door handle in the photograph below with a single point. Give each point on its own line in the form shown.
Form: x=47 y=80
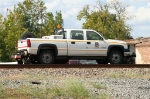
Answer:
x=88 y=42
x=72 y=42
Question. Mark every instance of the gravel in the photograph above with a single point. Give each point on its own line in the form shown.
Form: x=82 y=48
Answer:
x=135 y=86
x=126 y=88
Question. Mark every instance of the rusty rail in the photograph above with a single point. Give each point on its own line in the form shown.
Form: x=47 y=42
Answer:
x=75 y=66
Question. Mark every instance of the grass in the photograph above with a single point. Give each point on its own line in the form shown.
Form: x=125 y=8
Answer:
x=69 y=89
x=76 y=89
x=103 y=86
x=23 y=92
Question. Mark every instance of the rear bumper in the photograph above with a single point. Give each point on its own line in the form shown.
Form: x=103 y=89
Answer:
x=15 y=56
x=20 y=54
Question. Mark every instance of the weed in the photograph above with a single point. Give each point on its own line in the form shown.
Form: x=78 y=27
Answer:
x=76 y=89
x=99 y=86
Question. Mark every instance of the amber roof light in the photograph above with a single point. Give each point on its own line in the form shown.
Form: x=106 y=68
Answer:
x=58 y=26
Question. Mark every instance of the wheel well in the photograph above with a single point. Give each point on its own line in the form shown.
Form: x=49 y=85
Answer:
x=46 y=47
x=52 y=48
x=115 y=48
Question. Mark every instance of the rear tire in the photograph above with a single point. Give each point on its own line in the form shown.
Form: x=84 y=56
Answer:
x=19 y=61
x=115 y=57
x=46 y=57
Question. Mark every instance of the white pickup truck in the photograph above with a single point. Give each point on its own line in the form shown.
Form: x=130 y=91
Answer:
x=78 y=44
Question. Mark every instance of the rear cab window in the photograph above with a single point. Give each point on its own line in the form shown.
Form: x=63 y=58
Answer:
x=76 y=34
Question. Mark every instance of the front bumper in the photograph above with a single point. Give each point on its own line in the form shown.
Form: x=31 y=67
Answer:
x=128 y=53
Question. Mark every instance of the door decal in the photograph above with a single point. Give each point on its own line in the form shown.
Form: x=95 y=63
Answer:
x=96 y=45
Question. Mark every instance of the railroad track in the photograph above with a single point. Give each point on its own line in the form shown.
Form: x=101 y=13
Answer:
x=75 y=66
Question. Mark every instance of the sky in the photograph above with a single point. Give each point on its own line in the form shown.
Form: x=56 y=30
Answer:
x=140 y=9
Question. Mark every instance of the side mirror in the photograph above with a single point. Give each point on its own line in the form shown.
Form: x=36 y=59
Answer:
x=101 y=39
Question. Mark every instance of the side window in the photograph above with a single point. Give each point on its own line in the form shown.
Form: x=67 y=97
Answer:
x=91 y=35
x=78 y=35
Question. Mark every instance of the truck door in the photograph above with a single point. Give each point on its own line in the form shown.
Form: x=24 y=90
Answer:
x=95 y=44
x=76 y=43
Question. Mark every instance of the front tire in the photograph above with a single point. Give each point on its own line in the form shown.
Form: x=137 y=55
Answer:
x=46 y=57
x=115 y=57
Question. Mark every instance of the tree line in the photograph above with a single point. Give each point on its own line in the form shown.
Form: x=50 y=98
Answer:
x=109 y=19
x=25 y=16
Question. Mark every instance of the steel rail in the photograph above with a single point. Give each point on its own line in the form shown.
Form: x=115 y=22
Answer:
x=75 y=66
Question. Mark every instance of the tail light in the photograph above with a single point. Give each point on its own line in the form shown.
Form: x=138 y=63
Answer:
x=28 y=43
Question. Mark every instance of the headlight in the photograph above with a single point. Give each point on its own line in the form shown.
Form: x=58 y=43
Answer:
x=125 y=45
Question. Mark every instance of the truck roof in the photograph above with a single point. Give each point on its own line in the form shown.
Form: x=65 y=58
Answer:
x=77 y=29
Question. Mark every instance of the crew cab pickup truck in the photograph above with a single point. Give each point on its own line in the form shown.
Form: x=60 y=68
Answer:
x=75 y=44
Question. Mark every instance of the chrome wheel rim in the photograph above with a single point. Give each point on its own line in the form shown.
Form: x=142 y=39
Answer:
x=46 y=57
x=115 y=58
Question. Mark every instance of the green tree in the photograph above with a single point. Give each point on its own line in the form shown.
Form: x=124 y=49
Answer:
x=58 y=19
x=2 y=35
x=31 y=10
x=123 y=29
x=49 y=26
x=110 y=25
x=13 y=29
x=52 y=22
x=24 y=17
